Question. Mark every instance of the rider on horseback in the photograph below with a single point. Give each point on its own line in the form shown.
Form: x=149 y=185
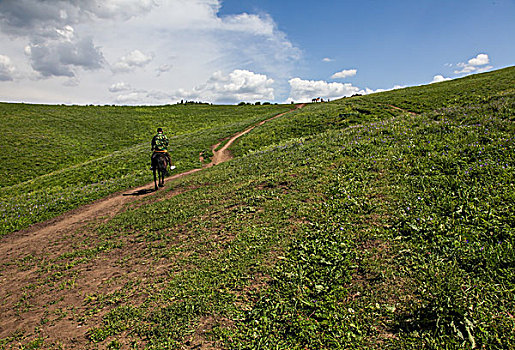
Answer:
x=160 y=145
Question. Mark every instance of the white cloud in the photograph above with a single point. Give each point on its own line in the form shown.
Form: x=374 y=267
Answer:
x=344 y=74
x=439 y=78
x=121 y=9
x=131 y=98
x=477 y=64
x=67 y=32
x=239 y=85
x=163 y=69
x=118 y=87
x=62 y=38
x=306 y=90
x=327 y=59
x=7 y=69
x=131 y=61
x=253 y=24
x=367 y=91
x=479 y=60
x=72 y=82
x=36 y=17
x=62 y=58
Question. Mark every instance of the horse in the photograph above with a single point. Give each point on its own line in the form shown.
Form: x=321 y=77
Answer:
x=159 y=164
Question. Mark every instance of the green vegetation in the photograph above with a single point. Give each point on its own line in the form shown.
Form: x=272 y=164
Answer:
x=384 y=221
x=55 y=158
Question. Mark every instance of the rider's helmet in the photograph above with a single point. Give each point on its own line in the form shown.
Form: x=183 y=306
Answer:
x=159 y=130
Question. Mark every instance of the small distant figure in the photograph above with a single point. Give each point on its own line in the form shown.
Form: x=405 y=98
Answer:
x=160 y=160
x=160 y=147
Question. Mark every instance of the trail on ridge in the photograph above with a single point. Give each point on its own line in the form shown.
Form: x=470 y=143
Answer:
x=55 y=237
x=105 y=207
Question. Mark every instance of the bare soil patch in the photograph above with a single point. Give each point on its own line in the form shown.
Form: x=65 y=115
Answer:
x=38 y=300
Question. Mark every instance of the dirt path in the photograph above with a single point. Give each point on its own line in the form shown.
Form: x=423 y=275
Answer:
x=23 y=242
x=223 y=154
x=402 y=110
x=48 y=240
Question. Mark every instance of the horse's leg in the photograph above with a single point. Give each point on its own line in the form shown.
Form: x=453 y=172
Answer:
x=155 y=182
x=161 y=178
x=164 y=170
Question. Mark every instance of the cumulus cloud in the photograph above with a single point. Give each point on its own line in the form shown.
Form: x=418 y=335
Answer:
x=144 y=97
x=67 y=32
x=134 y=59
x=476 y=64
x=327 y=59
x=306 y=90
x=254 y=24
x=30 y=17
x=121 y=9
x=54 y=47
x=7 y=69
x=367 y=91
x=62 y=58
x=439 y=78
x=163 y=69
x=479 y=60
x=131 y=98
x=121 y=86
x=344 y=74
x=64 y=37
x=256 y=44
x=239 y=85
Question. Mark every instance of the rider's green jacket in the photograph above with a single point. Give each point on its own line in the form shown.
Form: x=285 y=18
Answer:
x=160 y=142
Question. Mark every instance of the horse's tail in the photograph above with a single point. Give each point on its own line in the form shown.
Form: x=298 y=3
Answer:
x=161 y=162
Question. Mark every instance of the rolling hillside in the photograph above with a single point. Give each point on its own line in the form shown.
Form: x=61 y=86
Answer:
x=56 y=158
x=383 y=221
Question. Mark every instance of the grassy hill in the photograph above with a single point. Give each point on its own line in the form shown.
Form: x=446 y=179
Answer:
x=384 y=221
x=55 y=158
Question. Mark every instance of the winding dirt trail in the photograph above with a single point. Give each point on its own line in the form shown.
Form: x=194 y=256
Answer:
x=402 y=110
x=50 y=239
x=22 y=242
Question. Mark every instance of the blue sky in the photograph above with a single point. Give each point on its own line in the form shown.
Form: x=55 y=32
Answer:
x=162 y=51
x=390 y=42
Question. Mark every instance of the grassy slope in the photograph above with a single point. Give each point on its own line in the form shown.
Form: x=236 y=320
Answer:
x=57 y=137
x=346 y=225
x=55 y=158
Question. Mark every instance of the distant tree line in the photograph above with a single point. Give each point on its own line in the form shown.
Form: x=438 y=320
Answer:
x=258 y=103
x=186 y=102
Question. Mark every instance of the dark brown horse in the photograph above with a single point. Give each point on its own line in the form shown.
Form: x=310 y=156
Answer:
x=159 y=164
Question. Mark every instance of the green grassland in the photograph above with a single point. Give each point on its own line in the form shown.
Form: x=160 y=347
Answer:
x=384 y=221
x=55 y=158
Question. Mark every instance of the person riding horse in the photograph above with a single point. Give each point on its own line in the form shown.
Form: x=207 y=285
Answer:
x=160 y=146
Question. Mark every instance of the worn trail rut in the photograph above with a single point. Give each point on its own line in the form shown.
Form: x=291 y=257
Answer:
x=52 y=238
